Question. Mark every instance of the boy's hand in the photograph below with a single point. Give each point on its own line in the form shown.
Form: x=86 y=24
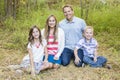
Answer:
x=77 y=60
x=95 y=59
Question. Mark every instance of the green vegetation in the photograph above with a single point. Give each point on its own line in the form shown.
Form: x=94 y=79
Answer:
x=105 y=18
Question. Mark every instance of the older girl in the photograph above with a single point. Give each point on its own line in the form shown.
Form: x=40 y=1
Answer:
x=55 y=42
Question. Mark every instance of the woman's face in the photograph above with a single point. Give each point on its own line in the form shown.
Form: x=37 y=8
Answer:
x=51 y=22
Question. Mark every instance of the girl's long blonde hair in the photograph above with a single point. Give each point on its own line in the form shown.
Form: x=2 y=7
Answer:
x=47 y=29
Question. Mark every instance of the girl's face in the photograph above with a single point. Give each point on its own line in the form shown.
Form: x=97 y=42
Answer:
x=51 y=22
x=35 y=33
x=88 y=33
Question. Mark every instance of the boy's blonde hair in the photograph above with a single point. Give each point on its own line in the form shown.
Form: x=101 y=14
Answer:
x=89 y=27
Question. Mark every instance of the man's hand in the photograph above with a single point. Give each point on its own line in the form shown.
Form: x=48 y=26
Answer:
x=77 y=60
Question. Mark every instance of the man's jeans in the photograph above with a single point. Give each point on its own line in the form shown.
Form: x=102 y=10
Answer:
x=68 y=54
x=90 y=61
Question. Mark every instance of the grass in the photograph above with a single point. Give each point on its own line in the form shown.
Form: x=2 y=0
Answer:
x=13 y=39
x=64 y=73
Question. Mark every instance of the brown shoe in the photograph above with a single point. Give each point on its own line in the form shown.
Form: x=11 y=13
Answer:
x=108 y=66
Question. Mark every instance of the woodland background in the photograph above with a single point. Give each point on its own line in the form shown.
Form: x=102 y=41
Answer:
x=17 y=16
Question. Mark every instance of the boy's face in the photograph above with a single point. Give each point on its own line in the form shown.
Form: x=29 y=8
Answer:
x=88 y=33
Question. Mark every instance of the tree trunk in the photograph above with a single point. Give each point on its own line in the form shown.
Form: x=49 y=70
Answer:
x=8 y=4
x=28 y=6
x=81 y=5
x=6 y=7
x=35 y=4
x=14 y=8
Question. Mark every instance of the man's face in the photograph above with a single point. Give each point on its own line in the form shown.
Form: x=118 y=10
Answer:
x=68 y=13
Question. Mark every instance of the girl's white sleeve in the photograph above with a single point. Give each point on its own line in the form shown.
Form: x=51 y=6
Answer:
x=29 y=46
x=61 y=42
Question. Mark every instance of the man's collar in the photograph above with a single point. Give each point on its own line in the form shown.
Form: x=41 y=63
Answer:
x=73 y=20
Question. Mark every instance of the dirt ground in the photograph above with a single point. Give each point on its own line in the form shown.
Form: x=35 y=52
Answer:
x=8 y=57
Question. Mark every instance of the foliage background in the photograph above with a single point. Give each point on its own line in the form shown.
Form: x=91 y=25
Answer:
x=103 y=16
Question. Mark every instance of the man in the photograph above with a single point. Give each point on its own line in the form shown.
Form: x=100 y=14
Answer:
x=73 y=28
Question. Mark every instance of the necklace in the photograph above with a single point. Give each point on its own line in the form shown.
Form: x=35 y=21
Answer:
x=37 y=45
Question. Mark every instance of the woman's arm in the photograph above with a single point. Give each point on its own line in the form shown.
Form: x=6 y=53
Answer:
x=31 y=62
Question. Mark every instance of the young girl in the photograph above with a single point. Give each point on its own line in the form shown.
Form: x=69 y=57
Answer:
x=55 y=42
x=89 y=46
x=35 y=49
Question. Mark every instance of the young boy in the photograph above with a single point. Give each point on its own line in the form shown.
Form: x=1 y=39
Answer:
x=89 y=46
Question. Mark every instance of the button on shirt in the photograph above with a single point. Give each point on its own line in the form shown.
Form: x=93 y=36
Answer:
x=87 y=47
x=73 y=31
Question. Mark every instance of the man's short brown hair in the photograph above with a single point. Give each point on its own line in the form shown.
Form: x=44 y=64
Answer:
x=67 y=5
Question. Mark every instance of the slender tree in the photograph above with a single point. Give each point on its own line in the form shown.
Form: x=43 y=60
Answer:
x=10 y=8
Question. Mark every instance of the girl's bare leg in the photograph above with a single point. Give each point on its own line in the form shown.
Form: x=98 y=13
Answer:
x=56 y=66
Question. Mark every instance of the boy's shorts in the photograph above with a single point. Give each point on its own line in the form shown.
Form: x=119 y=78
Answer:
x=51 y=59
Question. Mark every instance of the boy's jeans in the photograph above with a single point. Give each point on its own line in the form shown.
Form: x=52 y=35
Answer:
x=90 y=61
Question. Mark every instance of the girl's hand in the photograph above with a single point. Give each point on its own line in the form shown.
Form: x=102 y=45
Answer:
x=33 y=72
x=45 y=61
x=95 y=59
x=56 y=58
x=77 y=60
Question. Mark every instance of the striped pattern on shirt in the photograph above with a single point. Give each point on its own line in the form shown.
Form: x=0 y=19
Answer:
x=52 y=47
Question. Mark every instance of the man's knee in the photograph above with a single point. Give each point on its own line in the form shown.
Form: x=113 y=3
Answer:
x=65 y=63
x=79 y=64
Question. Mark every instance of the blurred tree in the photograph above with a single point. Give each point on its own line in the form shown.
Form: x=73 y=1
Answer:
x=50 y=3
x=84 y=4
x=10 y=7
